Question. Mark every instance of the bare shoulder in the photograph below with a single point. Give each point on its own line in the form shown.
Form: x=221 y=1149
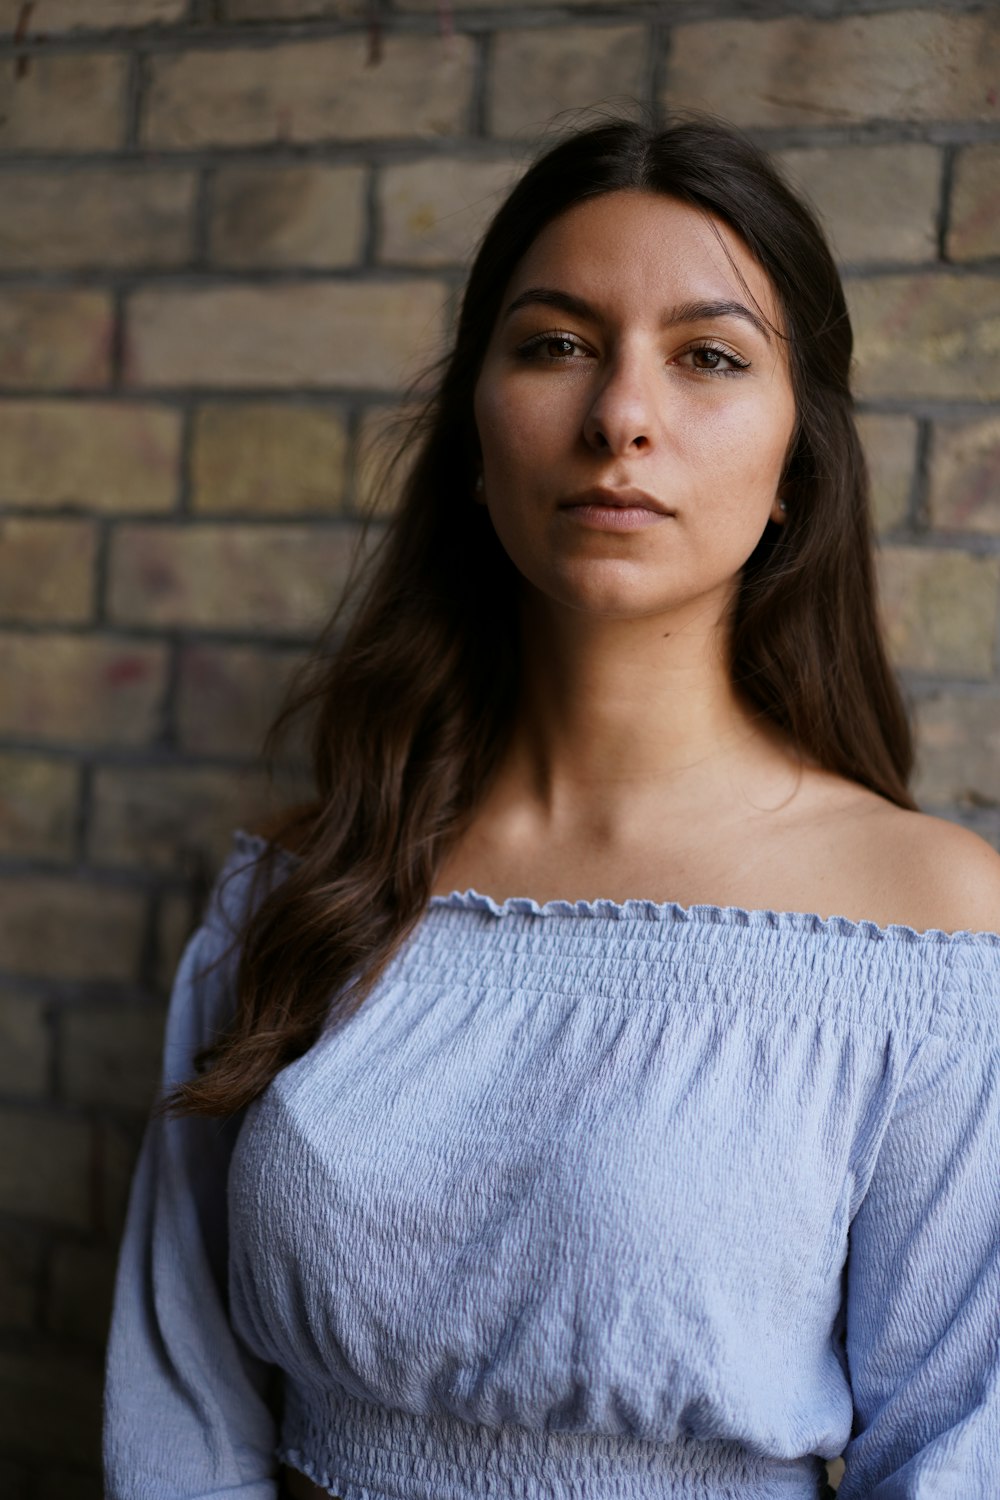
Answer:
x=930 y=873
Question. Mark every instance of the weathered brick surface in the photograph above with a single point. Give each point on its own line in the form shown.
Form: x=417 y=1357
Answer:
x=278 y=578
x=290 y=10
x=170 y=819
x=37 y=807
x=45 y=1164
x=81 y=1284
x=288 y=216
x=959 y=759
x=537 y=73
x=118 y=1144
x=56 y=928
x=49 y=17
x=799 y=70
x=940 y=609
x=876 y=202
x=51 y=338
x=25 y=1046
x=177 y=919
x=47 y=570
x=351 y=334
x=310 y=91
x=261 y=459
x=20 y=1260
x=890 y=445
x=931 y=336
x=974 y=229
x=36 y=1386
x=110 y=1054
x=98 y=455
x=68 y=102
x=433 y=212
x=964 y=489
x=79 y=688
x=228 y=695
x=122 y=216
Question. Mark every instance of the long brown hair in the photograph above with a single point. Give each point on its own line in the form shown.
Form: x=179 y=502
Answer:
x=411 y=708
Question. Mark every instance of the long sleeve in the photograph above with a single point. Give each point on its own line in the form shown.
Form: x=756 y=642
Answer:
x=923 y=1299
x=186 y=1412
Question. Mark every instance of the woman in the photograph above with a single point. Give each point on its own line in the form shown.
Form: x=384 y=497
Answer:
x=667 y=1166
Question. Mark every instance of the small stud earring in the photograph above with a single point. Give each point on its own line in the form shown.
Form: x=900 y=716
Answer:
x=783 y=505
x=479 y=484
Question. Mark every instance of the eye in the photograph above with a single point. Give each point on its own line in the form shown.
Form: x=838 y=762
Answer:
x=557 y=348
x=713 y=359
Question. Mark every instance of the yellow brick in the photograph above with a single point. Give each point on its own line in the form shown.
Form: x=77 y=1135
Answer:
x=802 y=70
x=351 y=334
x=958 y=759
x=965 y=476
x=47 y=570
x=288 y=216
x=934 y=337
x=99 y=455
x=228 y=695
x=111 y=1052
x=940 y=609
x=38 y=799
x=80 y=688
x=261 y=459
x=538 y=73
x=68 y=102
x=102 y=218
x=51 y=16
x=890 y=445
x=167 y=819
x=319 y=90
x=25 y=1048
x=52 y=927
x=51 y=338
x=975 y=206
x=875 y=202
x=281 y=579
x=433 y=212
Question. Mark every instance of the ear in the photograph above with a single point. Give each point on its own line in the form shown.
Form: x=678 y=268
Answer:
x=780 y=506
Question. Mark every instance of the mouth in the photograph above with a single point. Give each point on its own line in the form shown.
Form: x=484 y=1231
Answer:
x=628 y=498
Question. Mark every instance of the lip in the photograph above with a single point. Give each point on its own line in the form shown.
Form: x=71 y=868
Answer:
x=627 y=509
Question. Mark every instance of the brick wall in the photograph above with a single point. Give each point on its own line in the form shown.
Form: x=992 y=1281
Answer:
x=230 y=229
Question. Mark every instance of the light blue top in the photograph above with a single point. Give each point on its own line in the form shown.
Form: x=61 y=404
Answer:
x=585 y=1202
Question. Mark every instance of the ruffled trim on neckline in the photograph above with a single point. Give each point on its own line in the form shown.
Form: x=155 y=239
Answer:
x=636 y=910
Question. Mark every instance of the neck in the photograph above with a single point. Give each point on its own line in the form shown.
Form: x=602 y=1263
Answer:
x=617 y=716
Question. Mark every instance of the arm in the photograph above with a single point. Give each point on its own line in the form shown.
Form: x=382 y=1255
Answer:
x=923 y=1287
x=186 y=1411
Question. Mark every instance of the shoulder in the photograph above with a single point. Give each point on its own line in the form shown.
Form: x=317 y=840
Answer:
x=934 y=873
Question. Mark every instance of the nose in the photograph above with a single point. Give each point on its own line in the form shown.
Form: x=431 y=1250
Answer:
x=621 y=418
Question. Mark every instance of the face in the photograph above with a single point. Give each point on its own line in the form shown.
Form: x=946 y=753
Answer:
x=634 y=412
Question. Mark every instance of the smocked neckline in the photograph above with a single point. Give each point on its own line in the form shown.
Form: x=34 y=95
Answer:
x=639 y=909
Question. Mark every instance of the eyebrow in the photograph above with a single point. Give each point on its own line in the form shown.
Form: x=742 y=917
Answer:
x=684 y=312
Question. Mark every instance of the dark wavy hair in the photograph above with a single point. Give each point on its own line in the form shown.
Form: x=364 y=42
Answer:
x=411 y=708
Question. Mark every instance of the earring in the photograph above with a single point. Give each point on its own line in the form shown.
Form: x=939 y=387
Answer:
x=783 y=505
x=479 y=484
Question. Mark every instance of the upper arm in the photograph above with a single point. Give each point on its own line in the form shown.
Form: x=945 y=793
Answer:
x=923 y=1272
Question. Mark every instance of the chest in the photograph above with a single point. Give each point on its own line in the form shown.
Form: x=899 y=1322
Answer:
x=530 y=1134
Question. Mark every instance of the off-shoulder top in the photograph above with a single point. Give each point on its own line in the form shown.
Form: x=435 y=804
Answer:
x=586 y=1201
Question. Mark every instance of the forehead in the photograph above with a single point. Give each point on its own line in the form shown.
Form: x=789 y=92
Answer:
x=645 y=246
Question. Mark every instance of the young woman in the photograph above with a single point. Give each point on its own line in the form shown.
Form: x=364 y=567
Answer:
x=607 y=1060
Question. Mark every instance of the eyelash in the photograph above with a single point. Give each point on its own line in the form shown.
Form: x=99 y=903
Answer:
x=533 y=347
